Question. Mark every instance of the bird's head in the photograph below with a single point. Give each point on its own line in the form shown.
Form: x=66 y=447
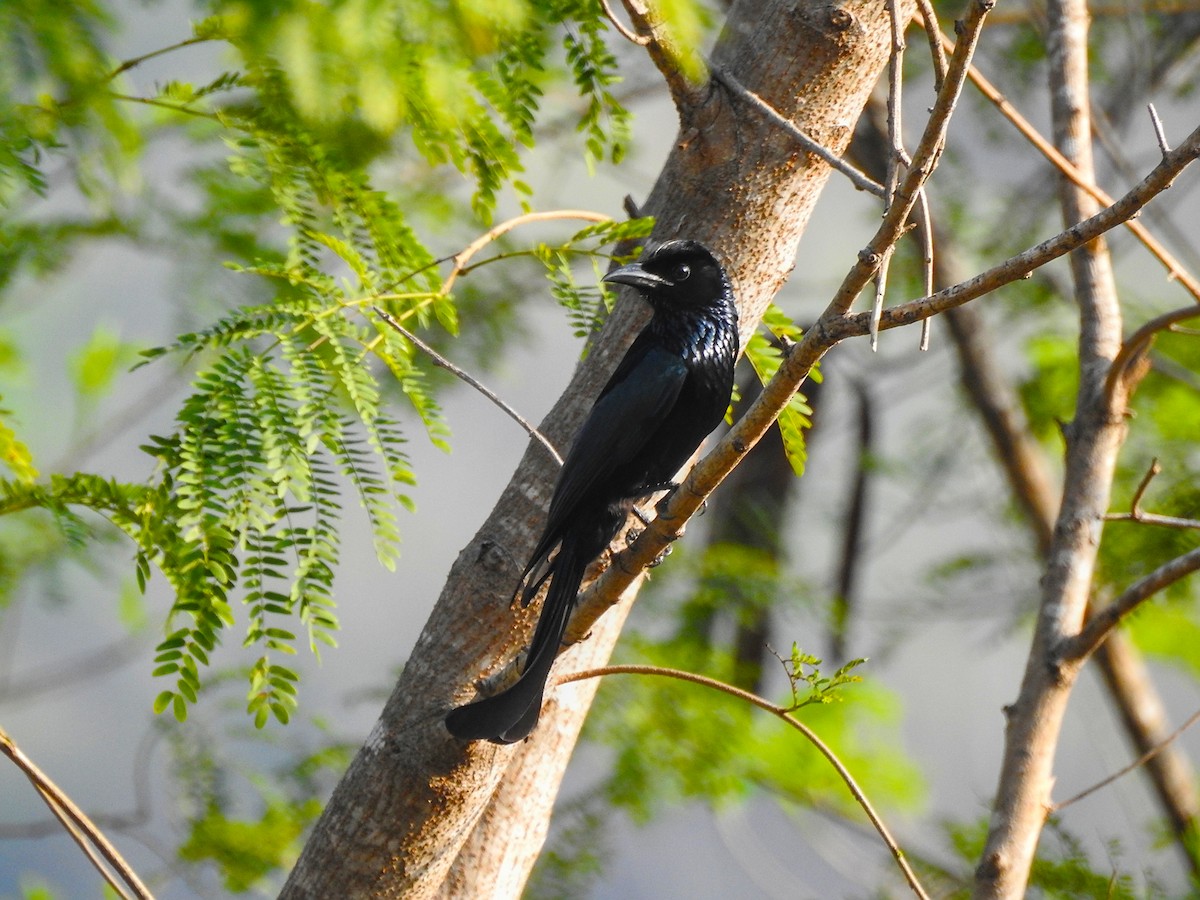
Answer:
x=676 y=274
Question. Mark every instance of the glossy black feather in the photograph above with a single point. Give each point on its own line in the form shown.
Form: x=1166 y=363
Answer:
x=669 y=391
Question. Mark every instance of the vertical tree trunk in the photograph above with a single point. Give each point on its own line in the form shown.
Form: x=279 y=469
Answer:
x=1093 y=441
x=414 y=801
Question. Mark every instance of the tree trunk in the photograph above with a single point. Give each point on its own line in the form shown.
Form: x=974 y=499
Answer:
x=1093 y=441
x=418 y=813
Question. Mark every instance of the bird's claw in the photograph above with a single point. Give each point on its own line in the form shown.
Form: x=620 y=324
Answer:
x=661 y=558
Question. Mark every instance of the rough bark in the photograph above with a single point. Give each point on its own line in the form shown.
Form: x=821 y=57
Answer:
x=417 y=813
x=1093 y=441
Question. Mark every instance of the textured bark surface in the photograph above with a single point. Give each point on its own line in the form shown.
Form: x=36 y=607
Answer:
x=1093 y=441
x=419 y=814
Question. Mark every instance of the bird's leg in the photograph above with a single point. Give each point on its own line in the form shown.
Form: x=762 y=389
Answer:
x=642 y=516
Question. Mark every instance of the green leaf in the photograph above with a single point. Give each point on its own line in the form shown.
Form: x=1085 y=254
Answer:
x=14 y=454
x=766 y=358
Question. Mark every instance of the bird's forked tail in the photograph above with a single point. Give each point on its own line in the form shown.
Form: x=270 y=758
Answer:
x=511 y=715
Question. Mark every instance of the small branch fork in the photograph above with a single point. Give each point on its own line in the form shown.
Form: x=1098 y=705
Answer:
x=783 y=713
x=1136 y=514
x=1175 y=269
x=123 y=880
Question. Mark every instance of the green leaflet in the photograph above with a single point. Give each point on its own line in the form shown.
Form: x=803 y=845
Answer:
x=766 y=358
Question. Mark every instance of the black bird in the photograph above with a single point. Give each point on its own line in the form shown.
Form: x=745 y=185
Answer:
x=671 y=389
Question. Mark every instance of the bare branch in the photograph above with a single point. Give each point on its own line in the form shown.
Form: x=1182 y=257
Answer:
x=1023 y=264
x=1159 y=135
x=1127 y=369
x=924 y=161
x=1133 y=596
x=1137 y=763
x=927 y=18
x=925 y=234
x=470 y=379
x=81 y=828
x=781 y=713
x=640 y=39
x=857 y=178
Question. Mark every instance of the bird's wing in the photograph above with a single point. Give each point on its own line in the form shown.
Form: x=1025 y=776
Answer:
x=617 y=428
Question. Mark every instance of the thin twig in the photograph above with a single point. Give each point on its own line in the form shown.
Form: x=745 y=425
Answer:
x=640 y=39
x=1159 y=134
x=896 y=154
x=781 y=713
x=926 y=14
x=857 y=178
x=1137 y=763
x=1151 y=472
x=163 y=104
x=1145 y=518
x=470 y=379
x=138 y=60
x=881 y=274
x=62 y=805
x=925 y=234
x=464 y=256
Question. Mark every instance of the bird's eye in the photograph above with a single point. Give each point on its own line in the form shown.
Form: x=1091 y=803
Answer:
x=682 y=271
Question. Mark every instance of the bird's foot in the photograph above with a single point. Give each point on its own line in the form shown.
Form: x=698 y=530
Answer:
x=661 y=558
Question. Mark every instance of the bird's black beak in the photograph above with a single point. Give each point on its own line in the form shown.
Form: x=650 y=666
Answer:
x=635 y=276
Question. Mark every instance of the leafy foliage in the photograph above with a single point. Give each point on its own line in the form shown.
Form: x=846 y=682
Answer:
x=809 y=685
x=286 y=409
x=13 y=452
x=588 y=303
x=766 y=356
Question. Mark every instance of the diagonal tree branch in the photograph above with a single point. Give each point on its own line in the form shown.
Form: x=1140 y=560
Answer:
x=82 y=830
x=1104 y=621
x=469 y=379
